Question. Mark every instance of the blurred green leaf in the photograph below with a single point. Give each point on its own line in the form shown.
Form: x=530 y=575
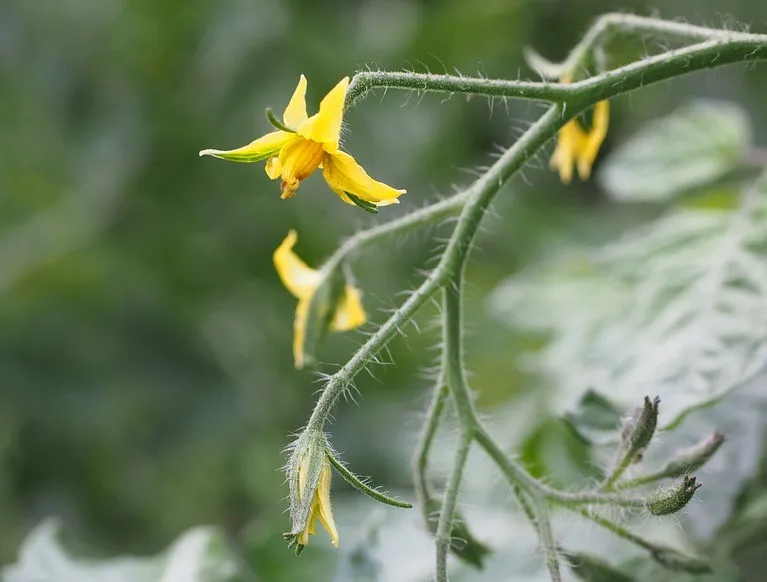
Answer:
x=673 y=309
x=691 y=147
x=594 y=419
x=593 y=569
x=201 y=554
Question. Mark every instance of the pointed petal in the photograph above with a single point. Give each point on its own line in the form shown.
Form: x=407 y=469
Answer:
x=295 y=112
x=325 y=126
x=299 y=331
x=593 y=140
x=262 y=148
x=300 y=279
x=325 y=512
x=349 y=313
x=343 y=173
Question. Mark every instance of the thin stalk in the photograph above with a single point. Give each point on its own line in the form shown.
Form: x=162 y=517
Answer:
x=546 y=535
x=449 y=505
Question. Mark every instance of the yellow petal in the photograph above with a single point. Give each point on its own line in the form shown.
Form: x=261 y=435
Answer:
x=273 y=168
x=349 y=313
x=325 y=126
x=344 y=174
x=325 y=512
x=593 y=140
x=298 y=160
x=569 y=143
x=300 y=279
x=299 y=331
x=295 y=112
x=257 y=150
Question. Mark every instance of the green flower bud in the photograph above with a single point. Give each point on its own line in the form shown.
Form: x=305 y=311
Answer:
x=671 y=499
x=693 y=458
x=639 y=428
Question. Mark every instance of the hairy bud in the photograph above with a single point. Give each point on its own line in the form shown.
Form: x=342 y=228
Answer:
x=693 y=458
x=671 y=499
x=639 y=427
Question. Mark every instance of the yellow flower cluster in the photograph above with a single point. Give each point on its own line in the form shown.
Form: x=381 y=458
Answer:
x=303 y=144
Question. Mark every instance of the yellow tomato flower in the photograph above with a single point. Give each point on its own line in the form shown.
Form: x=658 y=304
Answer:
x=320 y=508
x=302 y=281
x=310 y=143
x=575 y=146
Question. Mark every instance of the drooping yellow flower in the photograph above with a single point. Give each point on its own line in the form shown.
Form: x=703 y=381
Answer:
x=577 y=147
x=320 y=508
x=310 y=143
x=302 y=281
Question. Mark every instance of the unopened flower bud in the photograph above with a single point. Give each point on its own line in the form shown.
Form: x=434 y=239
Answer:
x=309 y=480
x=671 y=499
x=639 y=428
x=694 y=457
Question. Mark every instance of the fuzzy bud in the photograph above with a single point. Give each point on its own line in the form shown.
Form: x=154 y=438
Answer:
x=639 y=427
x=693 y=458
x=671 y=499
x=309 y=476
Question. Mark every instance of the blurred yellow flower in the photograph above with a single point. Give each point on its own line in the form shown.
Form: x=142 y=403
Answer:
x=306 y=143
x=575 y=146
x=302 y=281
x=320 y=508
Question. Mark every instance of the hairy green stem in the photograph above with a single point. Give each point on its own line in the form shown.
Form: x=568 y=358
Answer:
x=736 y=47
x=450 y=504
x=425 y=441
x=543 y=522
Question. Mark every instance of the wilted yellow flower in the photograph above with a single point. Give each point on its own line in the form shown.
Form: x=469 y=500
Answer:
x=302 y=281
x=576 y=146
x=320 y=508
x=308 y=143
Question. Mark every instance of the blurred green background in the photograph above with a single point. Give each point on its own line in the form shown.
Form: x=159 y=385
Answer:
x=145 y=359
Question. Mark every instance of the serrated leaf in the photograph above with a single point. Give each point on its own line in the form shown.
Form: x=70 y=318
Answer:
x=675 y=309
x=691 y=147
x=200 y=554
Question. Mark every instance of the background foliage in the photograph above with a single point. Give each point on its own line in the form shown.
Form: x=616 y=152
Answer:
x=145 y=354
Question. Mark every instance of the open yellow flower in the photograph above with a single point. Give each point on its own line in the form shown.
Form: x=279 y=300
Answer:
x=575 y=146
x=302 y=281
x=307 y=143
x=320 y=508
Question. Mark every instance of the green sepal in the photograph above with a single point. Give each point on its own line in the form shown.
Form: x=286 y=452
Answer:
x=362 y=487
x=364 y=204
x=274 y=120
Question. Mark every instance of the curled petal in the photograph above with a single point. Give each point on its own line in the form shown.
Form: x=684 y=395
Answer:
x=593 y=140
x=349 y=312
x=295 y=112
x=261 y=149
x=325 y=126
x=300 y=279
x=344 y=174
x=569 y=143
x=299 y=330
x=273 y=168
x=325 y=511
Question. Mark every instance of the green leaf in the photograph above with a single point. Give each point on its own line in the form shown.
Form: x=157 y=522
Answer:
x=200 y=554
x=590 y=568
x=691 y=147
x=595 y=419
x=674 y=309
